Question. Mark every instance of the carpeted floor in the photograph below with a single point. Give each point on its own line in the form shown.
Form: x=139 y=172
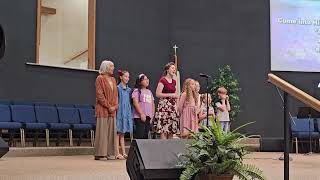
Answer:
x=85 y=168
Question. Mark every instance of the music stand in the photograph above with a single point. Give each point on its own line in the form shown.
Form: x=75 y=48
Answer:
x=305 y=112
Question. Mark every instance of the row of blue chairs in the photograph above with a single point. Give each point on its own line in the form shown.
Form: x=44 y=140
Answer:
x=45 y=116
x=303 y=129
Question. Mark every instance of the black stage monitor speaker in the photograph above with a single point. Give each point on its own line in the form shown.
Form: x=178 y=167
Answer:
x=4 y=148
x=2 y=42
x=155 y=159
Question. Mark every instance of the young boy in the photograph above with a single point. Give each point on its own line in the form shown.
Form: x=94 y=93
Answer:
x=223 y=108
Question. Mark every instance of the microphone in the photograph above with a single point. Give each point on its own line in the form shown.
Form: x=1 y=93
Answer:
x=204 y=75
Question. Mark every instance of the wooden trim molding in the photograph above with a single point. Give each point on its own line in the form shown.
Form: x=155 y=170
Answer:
x=92 y=34
x=76 y=56
x=48 y=10
x=91 y=31
x=60 y=67
x=38 y=25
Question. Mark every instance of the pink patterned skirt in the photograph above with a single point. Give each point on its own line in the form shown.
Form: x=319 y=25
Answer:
x=166 y=117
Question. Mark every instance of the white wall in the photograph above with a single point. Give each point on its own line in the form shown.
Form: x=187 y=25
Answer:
x=64 y=34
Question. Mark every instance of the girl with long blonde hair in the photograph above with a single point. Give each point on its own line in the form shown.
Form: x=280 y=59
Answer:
x=188 y=108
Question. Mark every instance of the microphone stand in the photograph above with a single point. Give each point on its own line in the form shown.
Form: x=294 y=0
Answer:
x=207 y=79
x=207 y=96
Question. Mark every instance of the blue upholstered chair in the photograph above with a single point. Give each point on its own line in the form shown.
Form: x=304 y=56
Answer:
x=25 y=114
x=87 y=116
x=28 y=103
x=65 y=105
x=302 y=129
x=43 y=104
x=69 y=115
x=5 y=102
x=6 y=122
x=49 y=115
x=86 y=106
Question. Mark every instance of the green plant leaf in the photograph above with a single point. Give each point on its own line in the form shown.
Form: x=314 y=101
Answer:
x=253 y=171
x=189 y=172
x=240 y=127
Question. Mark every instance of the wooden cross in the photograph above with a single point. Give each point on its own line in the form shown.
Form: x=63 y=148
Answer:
x=175 y=47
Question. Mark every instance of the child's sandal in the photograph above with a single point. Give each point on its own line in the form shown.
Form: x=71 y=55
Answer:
x=120 y=157
x=125 y=156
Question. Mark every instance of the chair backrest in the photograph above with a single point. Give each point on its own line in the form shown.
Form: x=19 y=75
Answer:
x=5 y=102
x=87 y=106
x=43 y=104
x=46 y=114
x=68 y=115
x=28 y=103
x=317 y=124
x=5 y=113
x=23 y=113
x=65 y=105
x=302 y=125
x=87 y=115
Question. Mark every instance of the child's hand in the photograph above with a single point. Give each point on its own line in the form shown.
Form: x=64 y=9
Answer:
x=227 y=97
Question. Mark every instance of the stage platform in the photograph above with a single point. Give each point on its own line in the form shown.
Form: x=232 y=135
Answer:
x=85 y=168
x=253 y=144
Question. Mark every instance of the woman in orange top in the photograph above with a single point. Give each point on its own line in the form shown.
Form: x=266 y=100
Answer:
x=106 y=106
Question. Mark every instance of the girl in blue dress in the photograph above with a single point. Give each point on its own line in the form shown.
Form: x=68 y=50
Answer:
x=124 y=113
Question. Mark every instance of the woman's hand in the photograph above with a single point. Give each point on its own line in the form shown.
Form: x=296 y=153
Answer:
x=111 y=109
x=143 y=117
x=175 y=96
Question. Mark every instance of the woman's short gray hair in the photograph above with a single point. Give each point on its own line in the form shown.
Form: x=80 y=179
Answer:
x=104 y=67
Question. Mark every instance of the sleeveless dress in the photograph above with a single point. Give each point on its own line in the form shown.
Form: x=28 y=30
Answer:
x=166 y=117
x=124 y=121
x=188 y=116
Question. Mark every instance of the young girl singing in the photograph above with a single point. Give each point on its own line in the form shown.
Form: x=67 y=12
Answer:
x=124 y=115
x=203 y=114
x=143 y=102
x=188 y=109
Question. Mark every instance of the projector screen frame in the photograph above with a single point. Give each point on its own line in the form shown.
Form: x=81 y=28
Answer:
x=270 y=48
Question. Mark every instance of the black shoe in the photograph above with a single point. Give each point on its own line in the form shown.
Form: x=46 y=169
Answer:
x=97 y=158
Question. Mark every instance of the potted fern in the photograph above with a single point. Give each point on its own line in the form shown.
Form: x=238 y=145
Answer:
x=216 y=155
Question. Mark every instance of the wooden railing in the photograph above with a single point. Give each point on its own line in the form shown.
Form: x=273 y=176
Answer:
x=300 y=95
x=295 y=92
x=72 y=58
